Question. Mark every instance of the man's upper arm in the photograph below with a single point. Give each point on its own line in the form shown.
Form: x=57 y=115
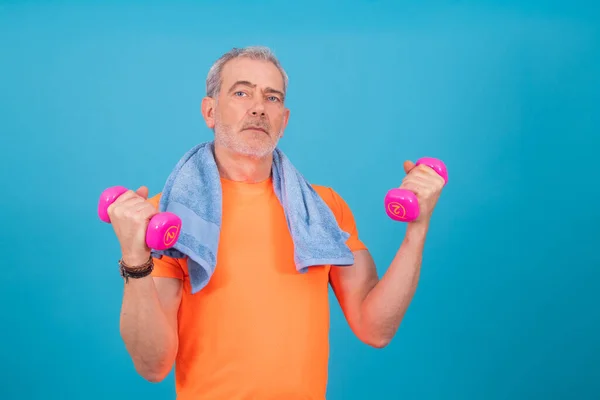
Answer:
x=169 y=292
x=346 y=221
x=168 y=278
x=352 y=284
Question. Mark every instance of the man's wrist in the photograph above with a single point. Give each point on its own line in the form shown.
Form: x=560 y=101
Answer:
x=136 y=271
x=417 y=231
x=133 y=261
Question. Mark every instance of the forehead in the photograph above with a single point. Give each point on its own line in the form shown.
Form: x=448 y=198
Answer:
x=259 y=72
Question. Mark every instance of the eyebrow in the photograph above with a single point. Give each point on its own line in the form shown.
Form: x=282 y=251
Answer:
x=252 y=85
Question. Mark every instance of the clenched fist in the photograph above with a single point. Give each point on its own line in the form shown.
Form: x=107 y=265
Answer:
x=426 y=184
x=129 y=217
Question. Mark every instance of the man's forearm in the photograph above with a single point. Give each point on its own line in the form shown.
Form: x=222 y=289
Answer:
x=149 y=337
x=385 y=305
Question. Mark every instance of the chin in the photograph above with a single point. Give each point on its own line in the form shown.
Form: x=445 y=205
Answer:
x=250 y=147
x=255 y=151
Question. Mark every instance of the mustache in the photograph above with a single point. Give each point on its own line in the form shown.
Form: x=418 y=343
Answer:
x=260 y=124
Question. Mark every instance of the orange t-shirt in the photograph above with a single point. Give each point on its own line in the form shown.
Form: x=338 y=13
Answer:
x=259 y=329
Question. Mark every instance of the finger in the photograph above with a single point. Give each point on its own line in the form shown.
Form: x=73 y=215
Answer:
x=421 y=191
x=423 y=183
x=412 y=186
x=145 y=213
x=428 y=175
x=130 y=194
x=408 y=166
x=430 y=172
x=142 y=191
x=124 y=206
x=130 y=203
x=418 y=178
x=143 y=204
x=145 y=210
x=423 y=170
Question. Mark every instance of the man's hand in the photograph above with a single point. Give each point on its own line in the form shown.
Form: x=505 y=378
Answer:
x=129 y=216
x=426 y=184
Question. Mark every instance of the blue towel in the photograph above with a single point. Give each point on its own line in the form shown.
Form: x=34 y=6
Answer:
x=193 y=192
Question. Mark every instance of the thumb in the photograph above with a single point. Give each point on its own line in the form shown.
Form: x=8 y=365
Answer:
x=408 y=165
x=142 y=191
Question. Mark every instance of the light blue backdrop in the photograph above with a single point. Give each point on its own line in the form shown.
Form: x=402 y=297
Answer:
x=507 y=93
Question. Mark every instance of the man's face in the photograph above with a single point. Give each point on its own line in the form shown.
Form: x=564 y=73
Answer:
x=248 y=116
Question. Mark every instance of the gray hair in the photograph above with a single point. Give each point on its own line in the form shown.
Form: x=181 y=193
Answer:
x=213 y=80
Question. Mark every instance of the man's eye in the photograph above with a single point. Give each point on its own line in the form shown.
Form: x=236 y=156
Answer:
x=273 y=98
x=240 y=93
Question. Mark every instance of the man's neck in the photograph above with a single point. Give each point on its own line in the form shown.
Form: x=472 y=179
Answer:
x=235 y=167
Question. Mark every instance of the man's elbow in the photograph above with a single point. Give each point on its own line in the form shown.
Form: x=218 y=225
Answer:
x=375 y=338
x=377 y=335
x=153 y=375
x=378 y=342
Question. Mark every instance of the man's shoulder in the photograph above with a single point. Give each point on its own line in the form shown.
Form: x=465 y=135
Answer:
x=154 y=200
x=324 y=191
x=330 y=197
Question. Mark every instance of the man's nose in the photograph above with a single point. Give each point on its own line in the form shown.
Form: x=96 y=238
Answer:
x=258 y=108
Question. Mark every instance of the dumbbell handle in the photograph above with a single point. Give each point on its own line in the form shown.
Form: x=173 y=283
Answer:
x=402 y=204
x=163 y=228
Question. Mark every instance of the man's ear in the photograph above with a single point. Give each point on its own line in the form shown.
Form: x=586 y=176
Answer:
x=207 y=108
x=286 y=117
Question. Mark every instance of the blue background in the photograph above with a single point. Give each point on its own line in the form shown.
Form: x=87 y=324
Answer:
x=507 y=93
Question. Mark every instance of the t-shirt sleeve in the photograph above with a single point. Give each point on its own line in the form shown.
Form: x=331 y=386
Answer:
x=347 y=222
x=168 y=267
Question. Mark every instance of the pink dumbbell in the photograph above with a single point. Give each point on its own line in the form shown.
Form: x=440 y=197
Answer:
x=163 y=229
x=402 y=204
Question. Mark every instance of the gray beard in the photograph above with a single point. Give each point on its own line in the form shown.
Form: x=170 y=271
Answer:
x=255 y=145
